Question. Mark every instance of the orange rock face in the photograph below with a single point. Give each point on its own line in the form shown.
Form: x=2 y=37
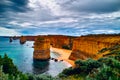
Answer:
x=82 y=47
x=41 y=49
x=22 y=40
x=88 y=46
x=57 y=41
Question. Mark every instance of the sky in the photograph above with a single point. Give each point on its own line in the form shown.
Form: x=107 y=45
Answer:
x=59 y=17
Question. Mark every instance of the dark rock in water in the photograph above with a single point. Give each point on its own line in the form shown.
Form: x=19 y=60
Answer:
x=55 y=60
x=10 y=39
x=15 y=37
x=52 y=58
x=22 y=40
x=61 y=60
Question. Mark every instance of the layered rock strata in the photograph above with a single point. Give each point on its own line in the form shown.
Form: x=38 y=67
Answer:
x=88 y=46
x=41 y=49
x=57 y=41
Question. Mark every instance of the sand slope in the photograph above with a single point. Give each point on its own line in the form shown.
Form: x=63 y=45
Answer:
x=64 y=55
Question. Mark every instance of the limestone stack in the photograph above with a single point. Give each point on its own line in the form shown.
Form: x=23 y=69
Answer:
x=22 y=39
x=41 y=49
x=10 y=39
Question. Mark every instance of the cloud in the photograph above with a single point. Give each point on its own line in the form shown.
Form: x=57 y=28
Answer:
x=24 y=24
x=70 y=17
x=117 y=18
x=97 y=6
x=13 y=5
x=8 y=32
x=61 y=20
x=105 y=31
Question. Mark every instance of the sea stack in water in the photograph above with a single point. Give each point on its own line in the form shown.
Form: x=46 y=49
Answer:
x=10 y=39
x=22 y=39
x=41 y=49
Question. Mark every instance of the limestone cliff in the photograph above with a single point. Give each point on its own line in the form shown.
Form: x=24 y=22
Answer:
x=41 y=49
x=58 y=41
x=87 y=46
x=82 y=47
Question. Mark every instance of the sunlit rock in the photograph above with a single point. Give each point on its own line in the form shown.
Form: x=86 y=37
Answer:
x=41 y=49
x=88 y=46
x=22 y=39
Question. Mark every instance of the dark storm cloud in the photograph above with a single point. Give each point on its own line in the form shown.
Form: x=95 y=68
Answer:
x=68 y=17
x=118 y=18
x=13 y=5
x=92 y=6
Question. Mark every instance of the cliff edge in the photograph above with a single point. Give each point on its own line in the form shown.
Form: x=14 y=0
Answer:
x=88 y=46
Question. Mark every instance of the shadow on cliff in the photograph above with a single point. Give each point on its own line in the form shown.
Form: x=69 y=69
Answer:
x=40 y=66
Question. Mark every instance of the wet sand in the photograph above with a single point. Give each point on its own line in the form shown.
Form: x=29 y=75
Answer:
x=64 y=55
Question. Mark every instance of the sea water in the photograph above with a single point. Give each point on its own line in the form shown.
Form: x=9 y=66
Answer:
x=22 y=56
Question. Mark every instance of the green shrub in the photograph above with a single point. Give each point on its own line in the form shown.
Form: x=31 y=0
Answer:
x=103 y=50
x=87 y=65
x=8 y=66
x=103 y=73
x=8 y=71
x=112 y=62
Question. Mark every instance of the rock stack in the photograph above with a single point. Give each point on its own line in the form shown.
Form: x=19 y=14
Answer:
x=22 y=39
x=41 y=49
x=10 y=39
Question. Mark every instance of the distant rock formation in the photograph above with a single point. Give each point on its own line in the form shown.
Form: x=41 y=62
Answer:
x=88 y=46
x=41 y=49
x=22 y=39
x=15 y=37
x=10 y=39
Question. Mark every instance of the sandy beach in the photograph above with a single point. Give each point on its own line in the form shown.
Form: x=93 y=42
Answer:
x=64 y=55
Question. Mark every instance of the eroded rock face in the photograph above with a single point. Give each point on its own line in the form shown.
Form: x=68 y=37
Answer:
x=41 y=49
x=60 y=41
x=22 y=39
x=57 y=41
x=88 y=46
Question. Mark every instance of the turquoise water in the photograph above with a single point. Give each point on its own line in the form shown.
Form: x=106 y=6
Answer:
x=22 y=56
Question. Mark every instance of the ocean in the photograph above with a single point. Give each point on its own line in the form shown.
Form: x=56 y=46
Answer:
x=22 y=56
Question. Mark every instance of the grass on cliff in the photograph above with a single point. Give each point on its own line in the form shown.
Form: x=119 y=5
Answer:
x=74 y=77
x=105 y=68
